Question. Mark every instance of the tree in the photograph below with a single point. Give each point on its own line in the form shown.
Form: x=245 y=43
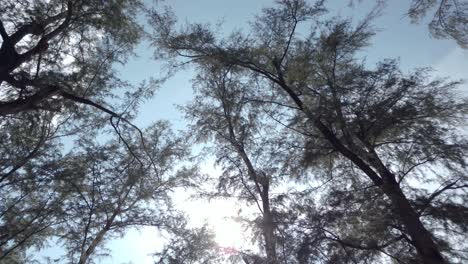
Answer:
x=257 y=166
x=94 y=192
x=54 y=53
x=110 y=189
x=194 y=246
x=57 y=59
x=390 y=126
x=450 y=18
x=220 y=111
x=57 y=76
x=30 y=155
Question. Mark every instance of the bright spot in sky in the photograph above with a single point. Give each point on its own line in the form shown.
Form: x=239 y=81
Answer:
x=218 y=214
x=228 y=232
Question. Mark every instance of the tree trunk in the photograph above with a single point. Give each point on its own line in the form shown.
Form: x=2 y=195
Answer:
x=269 y=232
x=85 y=255
x=99 y=237
x=421 y=238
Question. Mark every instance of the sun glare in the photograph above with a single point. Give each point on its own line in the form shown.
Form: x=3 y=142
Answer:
x=218 y=214
x=228 y=233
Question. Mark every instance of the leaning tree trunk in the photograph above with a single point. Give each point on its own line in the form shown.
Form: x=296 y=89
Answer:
x=96 y=241
x=421 y=238
x=100 y=235
x=368 y=162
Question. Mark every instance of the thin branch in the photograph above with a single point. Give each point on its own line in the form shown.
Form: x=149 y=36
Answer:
x=3 y=33
x=450 y=186
x=270 y=102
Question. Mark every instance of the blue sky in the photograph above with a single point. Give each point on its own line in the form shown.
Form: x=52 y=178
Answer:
x=397 y=38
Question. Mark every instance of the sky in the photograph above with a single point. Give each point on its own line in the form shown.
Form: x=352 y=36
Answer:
x=397 y=38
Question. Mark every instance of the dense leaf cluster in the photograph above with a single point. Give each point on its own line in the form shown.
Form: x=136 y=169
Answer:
x=340 y=161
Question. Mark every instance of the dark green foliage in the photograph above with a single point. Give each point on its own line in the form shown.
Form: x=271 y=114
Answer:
x=344 y=162
x=450 y=18
x=58 y=85
x=195 y=246
x=108 y=189
x=30 y=203
x=58 y=53
x=391 y=137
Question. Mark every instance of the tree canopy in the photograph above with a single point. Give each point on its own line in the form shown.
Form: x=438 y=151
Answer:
x=377 y=126
x=334 y=159
x=60 y=95
x=449 y=19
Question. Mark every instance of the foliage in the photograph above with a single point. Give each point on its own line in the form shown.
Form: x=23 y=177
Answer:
x=449 y=21
x=58 y=84
x=344 y=162
x=108 y=189
x=190 y=245
x=363 y=127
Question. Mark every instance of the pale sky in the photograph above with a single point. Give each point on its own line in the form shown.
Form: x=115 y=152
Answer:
x=397 y=38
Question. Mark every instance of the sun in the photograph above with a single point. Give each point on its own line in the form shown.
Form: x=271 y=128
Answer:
x=219 y=215
x=228 y=233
